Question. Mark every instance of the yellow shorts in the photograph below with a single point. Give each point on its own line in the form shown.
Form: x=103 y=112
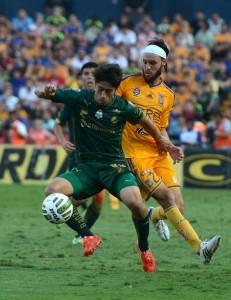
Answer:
x=151 y=171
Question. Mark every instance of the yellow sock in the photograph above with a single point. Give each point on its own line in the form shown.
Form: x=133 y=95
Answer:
x=115 y=204
x=183 y=227
x=158 y=214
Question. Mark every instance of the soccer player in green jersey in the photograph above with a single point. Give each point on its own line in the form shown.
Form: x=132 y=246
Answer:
x=100 y=117
x=65 y=115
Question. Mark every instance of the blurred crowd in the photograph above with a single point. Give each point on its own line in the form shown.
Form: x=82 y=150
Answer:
x=51 y=47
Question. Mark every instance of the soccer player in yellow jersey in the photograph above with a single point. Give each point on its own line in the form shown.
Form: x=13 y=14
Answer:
x=153 y=168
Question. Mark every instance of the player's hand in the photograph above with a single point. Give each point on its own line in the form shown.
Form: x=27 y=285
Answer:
x=68 y=146
x=47 y=92
x=176 y=154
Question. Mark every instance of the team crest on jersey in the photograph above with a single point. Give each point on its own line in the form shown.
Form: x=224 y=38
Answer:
x=136 y=92
x=118 y=167
x=83 y=113
x=99 y=114
x=114 y=120
x=161 y=99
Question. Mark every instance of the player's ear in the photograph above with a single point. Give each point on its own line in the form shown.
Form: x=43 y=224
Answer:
x=164 y=64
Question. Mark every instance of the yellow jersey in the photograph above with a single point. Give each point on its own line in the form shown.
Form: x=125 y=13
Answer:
x=156 y=102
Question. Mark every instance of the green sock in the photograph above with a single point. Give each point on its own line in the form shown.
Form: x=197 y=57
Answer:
x=90 y=217
x=142 y=229
x=77 y=223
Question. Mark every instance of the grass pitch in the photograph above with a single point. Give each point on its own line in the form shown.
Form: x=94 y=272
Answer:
x=38 y=262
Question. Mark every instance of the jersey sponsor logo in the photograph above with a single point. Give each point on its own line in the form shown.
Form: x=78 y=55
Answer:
x=114 y=120
x=141 y=131
x=136 y=92
x=99 y=114
x=161 y=99
x=183 y=233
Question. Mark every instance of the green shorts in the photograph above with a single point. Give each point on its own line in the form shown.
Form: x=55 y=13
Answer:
x=90 y=178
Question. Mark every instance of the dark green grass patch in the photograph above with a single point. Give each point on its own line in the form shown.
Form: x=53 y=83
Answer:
x=37 y=259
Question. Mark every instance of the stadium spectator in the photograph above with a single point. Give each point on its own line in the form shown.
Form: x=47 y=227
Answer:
x=222 y=138
x=39 y=26
x=79 y=59
x=136 y=9
x=205 y=35
x=215 y=23
x=116 y=57
x=57 y=18
x=9 y=98
x=22 y=21
x=199 y=17
x=39 y=136
x=222 y=43
x=189 y=136
x=16 y=131
x=125 y=36
x=47 y=121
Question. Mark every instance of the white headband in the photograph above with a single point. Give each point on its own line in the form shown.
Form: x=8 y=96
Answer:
x=153 y=49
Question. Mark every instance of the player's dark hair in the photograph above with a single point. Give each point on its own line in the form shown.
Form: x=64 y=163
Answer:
x=89 y=65
x=160 y=43
x=111 y=73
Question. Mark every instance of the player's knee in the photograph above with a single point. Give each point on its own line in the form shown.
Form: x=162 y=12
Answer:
x=96 y=205
x=100 y=197
x=165 y=197
x=51 y=189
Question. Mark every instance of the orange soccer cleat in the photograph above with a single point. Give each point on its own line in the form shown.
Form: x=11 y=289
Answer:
x=90 y=243
x=149 y=263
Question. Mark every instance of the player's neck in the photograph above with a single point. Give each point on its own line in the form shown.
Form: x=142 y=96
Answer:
x=155 y=82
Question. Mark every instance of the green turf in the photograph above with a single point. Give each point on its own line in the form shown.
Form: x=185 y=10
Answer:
x=37 y=260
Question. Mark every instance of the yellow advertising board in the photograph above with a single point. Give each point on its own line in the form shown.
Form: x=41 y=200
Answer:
x=30 y=164
x=37 y=165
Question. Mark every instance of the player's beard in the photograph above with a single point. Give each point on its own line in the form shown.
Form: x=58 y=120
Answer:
x=152 y=78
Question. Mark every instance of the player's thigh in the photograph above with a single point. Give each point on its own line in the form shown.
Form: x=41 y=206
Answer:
x=164 y=168
x=59 y=185
x=120 y=182
x=148 y=180
x=83 y=181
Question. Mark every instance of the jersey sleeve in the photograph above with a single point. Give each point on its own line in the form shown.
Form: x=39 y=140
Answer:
x=166 y=113
x=69 y=97
x=64 y=115
x=134 y=114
